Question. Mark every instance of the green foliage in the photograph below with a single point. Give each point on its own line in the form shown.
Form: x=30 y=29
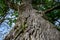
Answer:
x=36 y=2
x=3 y=8
x=15 y=14
x=53 y=14
x=43 y=4
x=10 y=22
x=50 y=2
x=16 y=1
x=53 y=17
x=13 y=18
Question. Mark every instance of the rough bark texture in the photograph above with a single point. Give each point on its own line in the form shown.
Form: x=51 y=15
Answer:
x=37 y=27
x=31 y=26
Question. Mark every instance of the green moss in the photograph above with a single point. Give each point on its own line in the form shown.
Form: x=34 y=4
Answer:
x=24 y=26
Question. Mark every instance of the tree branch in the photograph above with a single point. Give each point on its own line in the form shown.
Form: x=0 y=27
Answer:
x=54 y=7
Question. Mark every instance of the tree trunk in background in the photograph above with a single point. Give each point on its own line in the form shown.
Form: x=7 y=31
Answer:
x=31 y=26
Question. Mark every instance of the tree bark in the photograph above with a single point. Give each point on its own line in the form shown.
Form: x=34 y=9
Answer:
x=32 y=26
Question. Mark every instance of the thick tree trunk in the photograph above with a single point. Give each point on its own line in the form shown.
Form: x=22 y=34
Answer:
x=31 y=26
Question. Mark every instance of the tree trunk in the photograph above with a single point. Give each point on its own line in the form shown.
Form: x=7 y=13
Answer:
x=32 y=26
